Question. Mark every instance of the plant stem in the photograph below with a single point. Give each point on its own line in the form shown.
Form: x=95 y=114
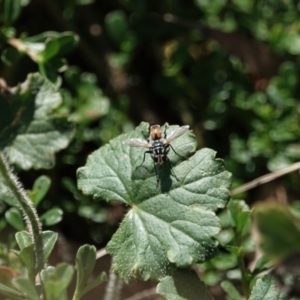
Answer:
x=20 y=197
x=242 y=267
x=113 y=287
x=241 y=264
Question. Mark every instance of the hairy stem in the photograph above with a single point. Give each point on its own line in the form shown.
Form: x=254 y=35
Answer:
x=21 y=199
x=113 y=288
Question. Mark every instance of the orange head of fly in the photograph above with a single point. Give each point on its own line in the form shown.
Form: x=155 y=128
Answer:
x=155 y=132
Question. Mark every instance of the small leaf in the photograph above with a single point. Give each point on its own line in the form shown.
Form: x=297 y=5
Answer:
x=117 y=26
x=84 y=2
x=166 y=227
x=56 y=280
x=27 y=256
x=262 y=265
x=64 y=43
x=14 y=217
x=183 y=285
x=266 y=288
x=231 y=290
x=27 y=288
x=240 y=214
x=23 y=239
x=9 y=291
x=49 y=71
x=40 y=189
x=52 y=216
x=85 y=263
x=100 y=279
x=11 y=11
x=28 y=134
x=279 y=230
x=44 y=247
x=10 y=56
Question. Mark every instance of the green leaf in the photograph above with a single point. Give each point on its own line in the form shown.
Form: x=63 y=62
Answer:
x=266 y=288
x=59 y=45
x=263 y=264
x=183 y=285
x=7 y=290
x=13 y=217
x=279 y=230
x=44 y=247
x=56 y=280
x=170 y=225
x=231 y=290
x=84 y=2
x=23 y=239
x=85 y=263
x=52 y=216
x=28 y=134
x=11 y=11
x=10 y=56
x=117 y=26
x=49 y=71
x=27 y=288
x=50 y=46
x=240 y=214
x=99 y=279
x=40 y=189
x=27 y=256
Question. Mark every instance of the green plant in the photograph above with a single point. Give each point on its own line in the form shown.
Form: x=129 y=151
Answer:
x=229 y=69
x=169 y=229
x=29 y=136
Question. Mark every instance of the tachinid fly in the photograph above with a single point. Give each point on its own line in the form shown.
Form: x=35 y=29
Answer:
x=157 y=145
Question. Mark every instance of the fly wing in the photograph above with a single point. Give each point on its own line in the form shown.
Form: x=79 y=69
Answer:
x=176 y=133
x=137 y=143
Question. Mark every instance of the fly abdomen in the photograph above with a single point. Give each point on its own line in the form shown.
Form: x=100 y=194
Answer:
x=159 y=153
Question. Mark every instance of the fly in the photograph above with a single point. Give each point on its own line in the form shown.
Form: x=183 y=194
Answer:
x=158 y=146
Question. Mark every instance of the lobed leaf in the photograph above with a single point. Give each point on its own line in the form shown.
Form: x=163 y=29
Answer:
x=183 y=285
x=266 y=288
x=28 y=134
x=172 y=225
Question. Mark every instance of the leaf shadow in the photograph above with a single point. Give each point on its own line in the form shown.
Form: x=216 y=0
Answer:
x=163 y=178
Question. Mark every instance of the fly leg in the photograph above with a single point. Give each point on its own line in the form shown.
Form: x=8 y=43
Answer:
x=157 y=180
x=155 y=169
x=176 y=152
x=165 y=131
x=146 y=152
x=171 y=169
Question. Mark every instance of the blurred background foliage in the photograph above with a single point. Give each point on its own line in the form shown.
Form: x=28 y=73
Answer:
x=229 y=69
